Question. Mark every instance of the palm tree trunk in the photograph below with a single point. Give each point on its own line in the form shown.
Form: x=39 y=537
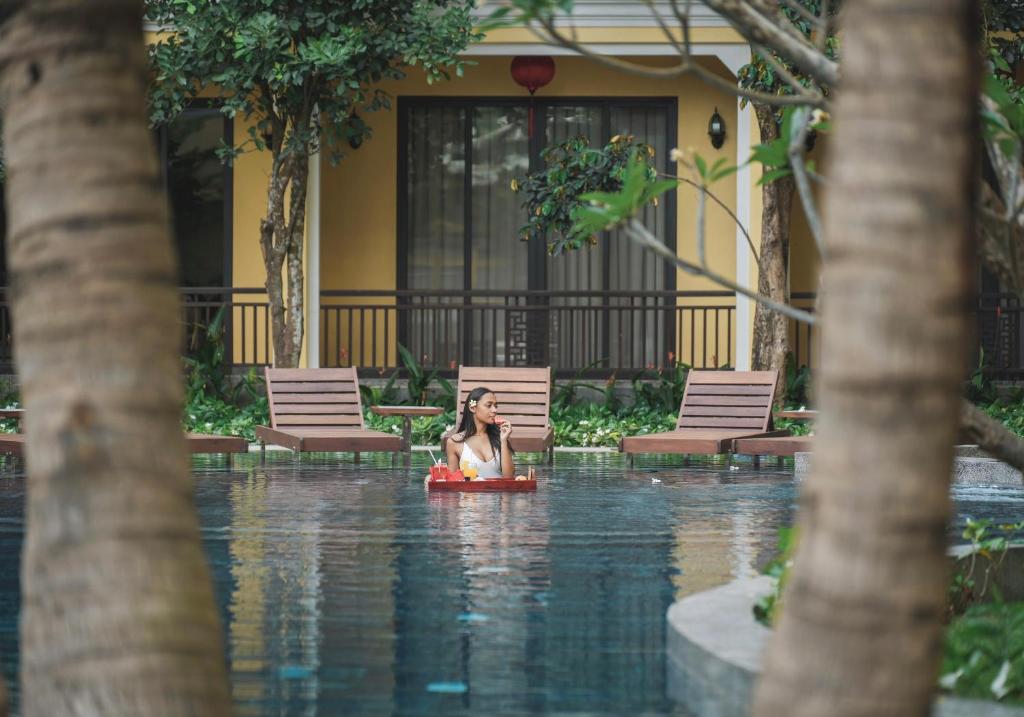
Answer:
x=771 y=328
x=118 y=615
x=861 y=621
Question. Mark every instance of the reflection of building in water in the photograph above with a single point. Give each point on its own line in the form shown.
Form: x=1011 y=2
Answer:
x=277 y=592
x=713 y=546
x=429 y=597
x=610 y=588
x=359 y=551
x=505 y=540
x=467 y=606
x=702 y=552
x=248 y=600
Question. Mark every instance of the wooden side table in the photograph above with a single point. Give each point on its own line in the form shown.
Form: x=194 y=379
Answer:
x=407 y=413
x=802 y=415
x=15 y=413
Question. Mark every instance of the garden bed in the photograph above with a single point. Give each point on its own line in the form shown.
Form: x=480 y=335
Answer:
x=715 y=649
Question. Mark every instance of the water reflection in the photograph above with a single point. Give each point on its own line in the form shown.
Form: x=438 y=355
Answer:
x=725 y=532
x=274 y=605
x=349 y=590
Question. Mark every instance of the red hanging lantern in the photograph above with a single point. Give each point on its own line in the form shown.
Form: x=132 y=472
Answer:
x=532 y=72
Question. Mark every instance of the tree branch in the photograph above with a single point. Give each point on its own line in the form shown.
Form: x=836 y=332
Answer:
x=781 y=70
x=639 y=233
x=991 y=436
x=686 y=65
x=803 y=12
x=796 y=160
x=826 y=9
x=724 y=206
x=756 y=28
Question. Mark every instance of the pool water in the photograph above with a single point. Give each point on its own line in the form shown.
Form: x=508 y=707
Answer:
x=352 y=590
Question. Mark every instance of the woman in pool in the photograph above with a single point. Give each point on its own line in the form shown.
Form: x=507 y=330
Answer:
x=479 y=446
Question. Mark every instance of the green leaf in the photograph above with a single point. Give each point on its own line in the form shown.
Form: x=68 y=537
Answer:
x=702 y=166
x=773 y=174
x=994 y=89
x=725 y=172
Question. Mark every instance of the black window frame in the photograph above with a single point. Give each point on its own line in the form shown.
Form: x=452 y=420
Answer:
x=208 y=107
x=537 y=259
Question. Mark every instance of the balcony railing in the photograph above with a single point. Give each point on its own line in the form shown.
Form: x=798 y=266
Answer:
x=572 y=331
x=609 y=332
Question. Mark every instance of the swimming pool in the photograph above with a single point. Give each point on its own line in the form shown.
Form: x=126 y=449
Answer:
x=348 y=589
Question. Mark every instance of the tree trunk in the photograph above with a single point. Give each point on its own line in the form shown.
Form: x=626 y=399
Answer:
x=296 y=230
x=860 y=632
x=281 y=240
x=991 y=435
x=118 y=615
x=771 y=328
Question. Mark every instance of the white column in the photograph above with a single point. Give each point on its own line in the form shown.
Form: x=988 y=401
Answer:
x=313 y=263
x=734 y=57
x=744 y=306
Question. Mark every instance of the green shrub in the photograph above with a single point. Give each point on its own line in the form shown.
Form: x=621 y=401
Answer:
x=661 y=390
x=590 y=425
x=597 y=426
x=209 y=414
x=9 y=398
x=426 y=431
x=984 y=653
x=1010 y=414
x=798 y=383
x=768 y=607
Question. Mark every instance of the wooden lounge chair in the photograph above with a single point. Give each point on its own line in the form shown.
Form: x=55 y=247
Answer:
x=718 y=407
x=319 y=409
x=524 y=398
x=779 y=446
x=13 y=444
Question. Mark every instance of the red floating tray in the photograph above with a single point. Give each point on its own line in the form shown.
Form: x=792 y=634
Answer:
x=483 y=485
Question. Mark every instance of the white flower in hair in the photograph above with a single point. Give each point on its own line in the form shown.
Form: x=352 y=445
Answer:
x=472 y=403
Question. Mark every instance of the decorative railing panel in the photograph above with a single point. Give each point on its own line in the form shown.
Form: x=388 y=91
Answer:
x=597 y=333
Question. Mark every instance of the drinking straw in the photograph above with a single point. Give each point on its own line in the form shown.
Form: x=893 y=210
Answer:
x=436 y=462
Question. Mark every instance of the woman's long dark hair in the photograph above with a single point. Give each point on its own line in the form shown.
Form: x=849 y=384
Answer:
x=468 y=426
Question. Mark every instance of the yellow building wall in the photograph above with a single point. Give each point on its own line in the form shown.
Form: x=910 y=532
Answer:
x=359 y=196
x=250 y=326
x=359 y=205
x=804 y=260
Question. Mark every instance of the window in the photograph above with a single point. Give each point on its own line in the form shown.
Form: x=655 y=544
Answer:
x=3 y=235
x=199 y=193
x=459 y=227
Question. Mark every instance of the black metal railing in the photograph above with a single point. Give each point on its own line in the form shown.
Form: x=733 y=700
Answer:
x=1000 y=336
x=246 y=322
x=803 y=339
x=606 y=331
x=572 y=331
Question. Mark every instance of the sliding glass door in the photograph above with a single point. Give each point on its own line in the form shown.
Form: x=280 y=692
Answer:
x=459 y=234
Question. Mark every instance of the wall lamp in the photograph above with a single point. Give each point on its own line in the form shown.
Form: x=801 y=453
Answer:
x=716 y=130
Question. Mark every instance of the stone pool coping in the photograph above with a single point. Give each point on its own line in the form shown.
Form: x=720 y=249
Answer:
x=255 y=447
x=971 y=466
x=714 y=650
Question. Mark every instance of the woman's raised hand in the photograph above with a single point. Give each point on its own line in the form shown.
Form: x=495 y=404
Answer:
x=505 y=429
